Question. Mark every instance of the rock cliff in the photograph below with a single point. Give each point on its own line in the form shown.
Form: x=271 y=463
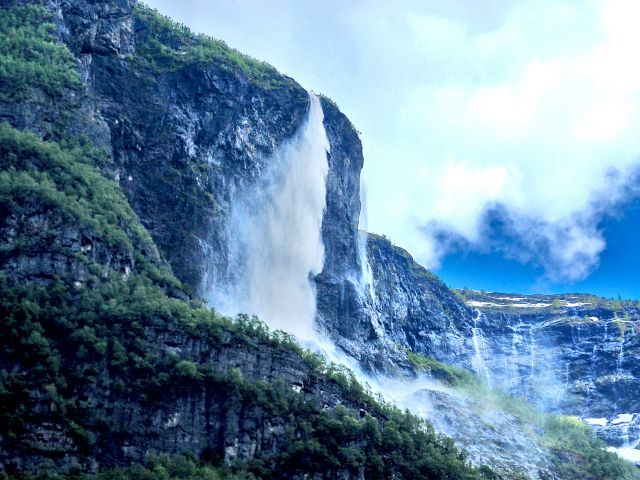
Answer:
x=394 y=306
x=575 y=354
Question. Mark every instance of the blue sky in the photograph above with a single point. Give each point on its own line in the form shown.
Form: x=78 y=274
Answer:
x=617 y=273
x=501 y=138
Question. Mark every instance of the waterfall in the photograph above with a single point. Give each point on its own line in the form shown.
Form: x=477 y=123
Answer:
x=532 y=342
x=620 y=357
x=275 y=236
x=365 y=282
x=479 y=348
x=514 y=386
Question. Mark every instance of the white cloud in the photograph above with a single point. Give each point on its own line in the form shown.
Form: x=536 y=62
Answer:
x=519 y=107
x=537 y=136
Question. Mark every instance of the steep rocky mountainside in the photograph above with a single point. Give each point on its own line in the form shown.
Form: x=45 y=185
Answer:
x=576 y=354
x=125 y=141
x=190 y=136
x=401 y=307
x=192 y=127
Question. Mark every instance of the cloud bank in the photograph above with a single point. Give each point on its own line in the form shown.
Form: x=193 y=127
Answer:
x=506 y=126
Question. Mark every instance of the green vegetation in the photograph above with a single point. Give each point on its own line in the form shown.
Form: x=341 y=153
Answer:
x=452 y=376
x=65 y=179
x=622 y=324
x=577 y=454
x=69 y=340
x=71 y=344
x=460 y=294
x=164 y=45
x=93 y=327
x=30 y=56
x=172 y=467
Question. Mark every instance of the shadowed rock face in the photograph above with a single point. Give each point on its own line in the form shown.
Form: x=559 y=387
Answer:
x=183 y=139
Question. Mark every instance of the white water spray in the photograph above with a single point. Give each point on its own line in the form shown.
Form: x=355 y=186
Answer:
x=275 y=235
x=479 y=349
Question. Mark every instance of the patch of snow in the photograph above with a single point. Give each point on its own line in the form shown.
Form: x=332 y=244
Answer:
x=510 y=299
x=601 y=422
x=594 y=319
x=531 y=305
x=576 y=304
x=622 y=418
x=474 y=303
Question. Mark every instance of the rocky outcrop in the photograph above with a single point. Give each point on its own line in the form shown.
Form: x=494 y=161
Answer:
x=54 y=247
x=213 y=415
x=394 y=305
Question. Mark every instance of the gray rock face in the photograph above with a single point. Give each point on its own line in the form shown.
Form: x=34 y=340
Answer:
x=574 y=354
x=393 y=306
x=54 y=254
x=212 y=419
x=187 y=140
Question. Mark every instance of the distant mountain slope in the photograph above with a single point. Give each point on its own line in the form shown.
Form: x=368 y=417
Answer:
x=573 y=353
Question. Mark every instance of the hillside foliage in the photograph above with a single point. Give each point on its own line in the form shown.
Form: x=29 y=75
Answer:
x=164 y=45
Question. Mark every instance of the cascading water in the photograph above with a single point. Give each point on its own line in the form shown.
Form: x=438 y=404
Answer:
x=479 y=348
x=514 y=384
x=275 y=237
x=532 y=343
x=365 y=282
